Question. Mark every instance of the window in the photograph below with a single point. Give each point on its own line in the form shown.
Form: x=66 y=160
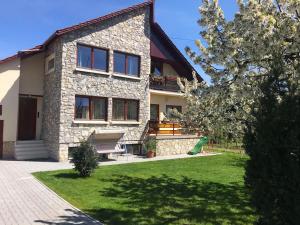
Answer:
x=127 y=64
x=0 y=110
x=157 y=68
x=172 y=107
x=90 y=108
x=125 y=109
x=50 y=64
x=92 y=58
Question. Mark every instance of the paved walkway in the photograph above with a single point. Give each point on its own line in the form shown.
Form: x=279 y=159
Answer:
x=24 y=200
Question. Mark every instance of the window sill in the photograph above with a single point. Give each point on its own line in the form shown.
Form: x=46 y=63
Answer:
x=126 y=76
x=50 y=71
x=92 y=71
x=90 y=122
x=126 y=122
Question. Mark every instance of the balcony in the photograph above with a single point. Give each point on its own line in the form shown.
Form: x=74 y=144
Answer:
x=164 y=83
x=164 y=128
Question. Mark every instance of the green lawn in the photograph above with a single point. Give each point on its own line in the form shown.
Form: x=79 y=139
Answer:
x=207 y=190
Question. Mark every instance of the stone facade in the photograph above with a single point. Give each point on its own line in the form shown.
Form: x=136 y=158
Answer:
x=128 y=33
x=52 y=102
x=175 y=146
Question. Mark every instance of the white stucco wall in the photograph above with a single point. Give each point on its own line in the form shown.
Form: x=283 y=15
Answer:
x=9 y=97
x=32 y=83
x=164 y=100
x=32 y=75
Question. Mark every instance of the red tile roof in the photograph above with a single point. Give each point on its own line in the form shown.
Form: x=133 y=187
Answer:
x=10 y=58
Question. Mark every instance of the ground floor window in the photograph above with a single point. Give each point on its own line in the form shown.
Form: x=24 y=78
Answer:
x=90 y=108
x=125 y=109
x=135 y=149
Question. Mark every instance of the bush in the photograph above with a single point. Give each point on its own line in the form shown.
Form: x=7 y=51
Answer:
x=84 y=159
x=273 y=144
x=151 y=144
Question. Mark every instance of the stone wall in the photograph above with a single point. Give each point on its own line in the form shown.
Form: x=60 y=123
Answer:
x=127 y=33
x=52 y=102
x=175 y=146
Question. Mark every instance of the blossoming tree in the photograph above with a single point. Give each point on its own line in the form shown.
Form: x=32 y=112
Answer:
x=254 y=65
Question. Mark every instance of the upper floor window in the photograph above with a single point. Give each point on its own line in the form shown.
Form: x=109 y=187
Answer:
x=50 y=64
x=157 y=68
x=127 y=64
x=92 y=57
x=125 y=109
x=90 y=108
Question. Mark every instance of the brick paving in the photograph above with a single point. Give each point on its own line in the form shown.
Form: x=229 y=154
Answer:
x=24 y=200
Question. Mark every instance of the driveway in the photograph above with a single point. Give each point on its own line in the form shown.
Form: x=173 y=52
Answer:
x=24 y=200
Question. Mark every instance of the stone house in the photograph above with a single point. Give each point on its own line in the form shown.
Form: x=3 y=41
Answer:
x=115 y=72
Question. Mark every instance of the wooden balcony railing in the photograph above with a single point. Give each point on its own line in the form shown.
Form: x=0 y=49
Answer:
x=164 y=128
x=167 y=83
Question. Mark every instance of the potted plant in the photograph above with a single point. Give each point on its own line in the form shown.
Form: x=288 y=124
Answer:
x=150 y=147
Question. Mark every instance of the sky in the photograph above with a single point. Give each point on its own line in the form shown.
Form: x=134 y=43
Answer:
x=27 y=23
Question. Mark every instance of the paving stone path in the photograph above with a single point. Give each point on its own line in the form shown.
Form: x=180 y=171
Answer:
x=24 y=200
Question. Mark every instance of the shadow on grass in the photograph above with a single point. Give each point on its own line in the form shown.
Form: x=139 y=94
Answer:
x=71 y=217
x=164 y=200
x=68 y=175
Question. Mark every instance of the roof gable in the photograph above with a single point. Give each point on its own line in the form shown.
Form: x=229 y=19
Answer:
x=161 y=45
x=163 y=48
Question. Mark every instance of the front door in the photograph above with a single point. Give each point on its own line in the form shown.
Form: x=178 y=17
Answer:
x=154 y=112
x=1 y=138
x=27 y=119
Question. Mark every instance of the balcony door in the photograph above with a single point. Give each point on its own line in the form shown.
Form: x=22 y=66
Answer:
x=27 y=118
x=154 y=112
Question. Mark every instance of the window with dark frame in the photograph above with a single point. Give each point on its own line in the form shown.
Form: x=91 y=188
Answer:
x=128 y=64
x=125 y=109
x=92 y=57
x=0 y=110
x=90 y=108
x=51 y=64
x=156 y=68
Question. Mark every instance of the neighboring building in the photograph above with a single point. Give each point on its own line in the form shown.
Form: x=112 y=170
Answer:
x=115 y=72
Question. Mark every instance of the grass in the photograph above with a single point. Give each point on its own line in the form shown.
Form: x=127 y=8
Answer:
x=206 y=190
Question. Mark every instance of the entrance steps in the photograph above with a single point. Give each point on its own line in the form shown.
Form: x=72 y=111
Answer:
x=35 y=149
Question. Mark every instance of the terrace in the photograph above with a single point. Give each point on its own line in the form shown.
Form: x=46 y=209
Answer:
x=164 y=83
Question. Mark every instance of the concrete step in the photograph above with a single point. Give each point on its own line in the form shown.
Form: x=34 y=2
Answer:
x=29 y=142
x=35 y=149
x=29 y=147
x=30 y=156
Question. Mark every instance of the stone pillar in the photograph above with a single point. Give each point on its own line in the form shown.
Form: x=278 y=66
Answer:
x=63 y=153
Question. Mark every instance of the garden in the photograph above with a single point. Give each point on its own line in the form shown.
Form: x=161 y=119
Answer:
x=201 y=190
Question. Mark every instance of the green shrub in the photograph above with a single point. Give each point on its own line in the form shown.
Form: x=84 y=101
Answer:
x=85 y=159
x=151 y=144
x=273 y=171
